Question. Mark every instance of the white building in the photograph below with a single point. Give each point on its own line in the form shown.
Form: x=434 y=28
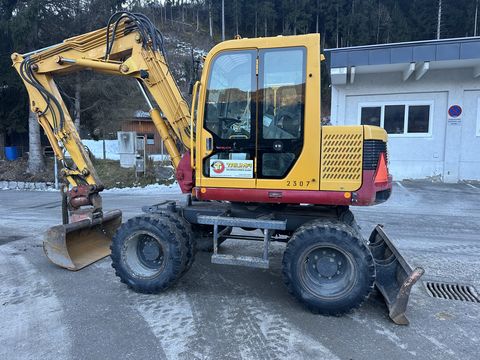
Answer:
x=426 y=94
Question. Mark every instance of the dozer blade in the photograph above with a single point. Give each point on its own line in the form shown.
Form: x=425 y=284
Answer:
x=76 y=245
x=394 y=277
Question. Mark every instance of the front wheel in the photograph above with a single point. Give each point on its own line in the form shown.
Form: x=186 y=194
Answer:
x=149 y=254
x=328 y=268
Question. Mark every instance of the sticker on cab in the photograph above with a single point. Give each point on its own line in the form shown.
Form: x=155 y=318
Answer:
x=231 y=168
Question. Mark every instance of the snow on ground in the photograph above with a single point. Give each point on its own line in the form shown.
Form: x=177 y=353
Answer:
x=96 y=147
x=159 y=157
x=111 y=150
x=149 y=189
x=184 y=49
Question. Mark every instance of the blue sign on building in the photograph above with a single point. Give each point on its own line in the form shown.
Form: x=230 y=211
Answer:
x=455 y=111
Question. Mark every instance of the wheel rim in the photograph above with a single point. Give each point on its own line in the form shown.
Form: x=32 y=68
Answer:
x=144 y=254
x=327 y=271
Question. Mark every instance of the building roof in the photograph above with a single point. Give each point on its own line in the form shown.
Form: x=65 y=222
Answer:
x=409 y=57
x=139 y=116
x=406 y=52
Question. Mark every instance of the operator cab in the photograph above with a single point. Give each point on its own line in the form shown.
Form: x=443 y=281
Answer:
x=258 y=129
x=254 y=110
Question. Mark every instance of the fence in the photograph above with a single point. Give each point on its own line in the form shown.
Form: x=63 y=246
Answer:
x=96 y=147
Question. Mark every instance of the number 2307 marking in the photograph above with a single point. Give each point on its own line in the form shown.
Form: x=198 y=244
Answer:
x=301 y=183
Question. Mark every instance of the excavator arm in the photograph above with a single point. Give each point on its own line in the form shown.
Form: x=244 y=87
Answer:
x=129 y=45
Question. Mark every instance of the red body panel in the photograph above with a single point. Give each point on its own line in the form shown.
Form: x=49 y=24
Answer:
x=184 y=173
x=366 y=195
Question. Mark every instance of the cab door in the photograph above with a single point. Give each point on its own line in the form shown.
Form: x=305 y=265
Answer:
x=281 y=84
x=229 y=126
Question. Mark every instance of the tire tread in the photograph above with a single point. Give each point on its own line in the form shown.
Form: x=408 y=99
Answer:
x=169 y=233
x=327 y=227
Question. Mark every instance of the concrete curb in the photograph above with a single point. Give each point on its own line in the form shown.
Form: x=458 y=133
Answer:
x=25 y=185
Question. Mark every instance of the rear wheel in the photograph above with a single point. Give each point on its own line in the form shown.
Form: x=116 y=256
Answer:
x=149 y=254
x=328 y=268
x=348 y=218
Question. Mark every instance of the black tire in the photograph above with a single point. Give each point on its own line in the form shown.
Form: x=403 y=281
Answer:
x=186 y=231
x=328 y=268
x=149 y=253
x=203 y=235
x=348 y=218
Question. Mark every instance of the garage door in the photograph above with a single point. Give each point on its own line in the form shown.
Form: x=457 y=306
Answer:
x=470 y=142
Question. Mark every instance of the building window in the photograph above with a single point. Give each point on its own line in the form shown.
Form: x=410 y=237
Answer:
x=394 y=119
x=418 y=118
x=411 y=118
x=150 y=138
x=371 y=115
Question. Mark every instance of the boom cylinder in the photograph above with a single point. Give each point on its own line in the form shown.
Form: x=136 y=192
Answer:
x=162 y=128
x=166 y=137
x=94 y=64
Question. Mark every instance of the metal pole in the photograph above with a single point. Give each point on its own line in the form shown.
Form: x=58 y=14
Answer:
x=162 y=151
x=104 y=150
x=55 y=167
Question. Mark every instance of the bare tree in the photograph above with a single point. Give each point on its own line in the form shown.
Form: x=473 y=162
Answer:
x=197 y=9
x=36 y=162
x=337 y=35
x=256 y=18
x=476 y=18
x=223 y=20
x=210 y=20
x=439 y=19
x=294 y=19
x=236 y=17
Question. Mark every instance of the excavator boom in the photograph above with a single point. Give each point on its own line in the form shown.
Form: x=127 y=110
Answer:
x=128 y=46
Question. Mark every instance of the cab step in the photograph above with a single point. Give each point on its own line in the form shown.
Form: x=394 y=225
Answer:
x=250 y=261
x=264 y=223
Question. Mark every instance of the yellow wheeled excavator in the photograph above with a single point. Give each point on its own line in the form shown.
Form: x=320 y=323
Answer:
x=249 y=152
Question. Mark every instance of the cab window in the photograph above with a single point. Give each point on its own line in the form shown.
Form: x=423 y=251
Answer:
x=231 y=87
x=283 y=93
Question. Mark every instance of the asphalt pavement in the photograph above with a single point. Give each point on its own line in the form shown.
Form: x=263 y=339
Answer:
x=224 y=312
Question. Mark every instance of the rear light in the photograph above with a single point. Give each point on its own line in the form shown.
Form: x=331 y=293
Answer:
x=381 y=175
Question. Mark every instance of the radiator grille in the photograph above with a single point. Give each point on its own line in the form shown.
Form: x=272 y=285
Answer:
x=341 y=160
x=371 y=152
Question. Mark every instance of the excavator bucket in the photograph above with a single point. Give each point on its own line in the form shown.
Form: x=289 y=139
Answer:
x=395 y=278
x=76 y=245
